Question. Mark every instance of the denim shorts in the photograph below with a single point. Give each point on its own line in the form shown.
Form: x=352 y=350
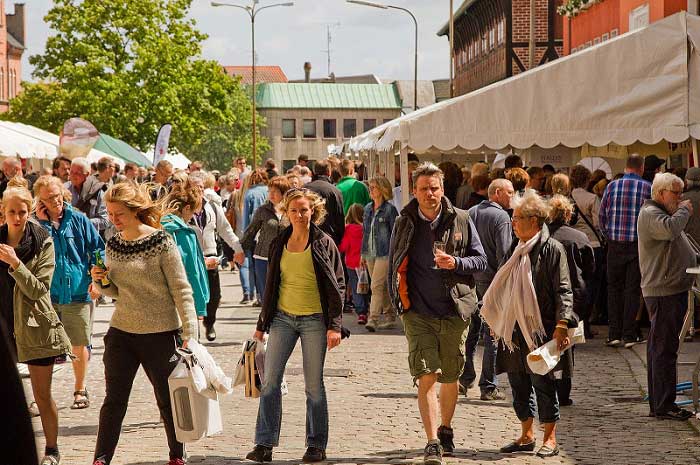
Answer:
x=435 y=346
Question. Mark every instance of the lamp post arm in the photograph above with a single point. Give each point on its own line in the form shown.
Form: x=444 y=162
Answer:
x=258 y=10
x=415 y=64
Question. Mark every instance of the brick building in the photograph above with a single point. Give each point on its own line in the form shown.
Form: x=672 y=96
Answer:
x=12 y=42
x=491 y=40
x=599 y=21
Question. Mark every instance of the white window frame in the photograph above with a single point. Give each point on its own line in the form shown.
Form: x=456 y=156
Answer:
x=614 y=33
x=639 y=17
x=606 y=36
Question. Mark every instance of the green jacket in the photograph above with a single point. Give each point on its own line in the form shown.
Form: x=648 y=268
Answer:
x=353 y=191
x=38 y=331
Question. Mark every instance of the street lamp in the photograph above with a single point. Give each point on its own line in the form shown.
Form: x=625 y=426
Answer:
x=253 y=11
x=415 y=22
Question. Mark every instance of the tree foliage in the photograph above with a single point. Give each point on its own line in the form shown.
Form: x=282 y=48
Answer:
x=129 y=66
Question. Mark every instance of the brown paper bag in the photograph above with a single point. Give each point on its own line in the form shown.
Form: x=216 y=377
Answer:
x=252 y=380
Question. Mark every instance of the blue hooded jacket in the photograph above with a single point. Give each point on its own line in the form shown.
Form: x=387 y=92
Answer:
x=75 y=242
x=192 y=258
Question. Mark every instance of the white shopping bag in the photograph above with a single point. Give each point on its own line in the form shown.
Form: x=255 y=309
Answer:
x=543 y=359
x=195 y=414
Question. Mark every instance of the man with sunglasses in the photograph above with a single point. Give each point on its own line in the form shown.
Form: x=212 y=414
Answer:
x=664 y=255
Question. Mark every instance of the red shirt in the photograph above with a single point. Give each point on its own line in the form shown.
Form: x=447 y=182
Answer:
x=351 y=245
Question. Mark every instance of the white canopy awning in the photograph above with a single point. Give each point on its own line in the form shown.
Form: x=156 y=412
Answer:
x=641 y=86
x=25 y=141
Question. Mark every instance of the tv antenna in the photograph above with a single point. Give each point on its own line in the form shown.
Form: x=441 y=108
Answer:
x=329 y=41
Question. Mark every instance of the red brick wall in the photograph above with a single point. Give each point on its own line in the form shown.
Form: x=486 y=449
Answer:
x=521 y=30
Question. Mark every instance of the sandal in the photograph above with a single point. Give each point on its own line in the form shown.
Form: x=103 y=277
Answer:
x=80 y=403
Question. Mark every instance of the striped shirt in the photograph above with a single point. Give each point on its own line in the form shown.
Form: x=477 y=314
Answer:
x=620 y=206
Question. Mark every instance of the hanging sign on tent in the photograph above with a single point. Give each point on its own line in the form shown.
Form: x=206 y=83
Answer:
x=162 y=142
x=77 y=138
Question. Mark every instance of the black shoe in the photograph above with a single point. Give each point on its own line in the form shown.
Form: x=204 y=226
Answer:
x=260 y=454
x=516 y=447
x=546 y=451
x=257 y=303
x=566 y=402
x=677 y=414
x=613 y=343
x=246 y=300
x=446 y=437
x=313 y=455
x=211 y=334
x=629 y=343
x=433 y=454
x=463 y=389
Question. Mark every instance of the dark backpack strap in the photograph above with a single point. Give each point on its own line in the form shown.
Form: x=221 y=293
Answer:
x=81 y=204
x=588 y=222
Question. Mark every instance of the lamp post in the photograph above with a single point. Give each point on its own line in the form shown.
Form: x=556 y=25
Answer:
x=252 y=11
x=415 y=22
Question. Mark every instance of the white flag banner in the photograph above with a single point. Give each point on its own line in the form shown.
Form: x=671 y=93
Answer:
x=162 y=142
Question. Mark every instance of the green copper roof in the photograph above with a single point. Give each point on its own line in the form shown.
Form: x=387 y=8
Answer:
x=333 y=96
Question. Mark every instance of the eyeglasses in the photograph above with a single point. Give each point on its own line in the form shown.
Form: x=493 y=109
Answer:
x=520 y=218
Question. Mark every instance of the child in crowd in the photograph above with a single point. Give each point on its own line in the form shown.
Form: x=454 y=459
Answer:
x=351 y=246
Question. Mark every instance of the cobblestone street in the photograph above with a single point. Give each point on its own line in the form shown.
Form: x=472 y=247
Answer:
x=373 y=410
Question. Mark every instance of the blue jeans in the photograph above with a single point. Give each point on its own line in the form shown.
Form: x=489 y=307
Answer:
x=358 y=300
x=478 y=328
x=260 y=267
x=243 y=272
x=251 y=274
x=284 y=332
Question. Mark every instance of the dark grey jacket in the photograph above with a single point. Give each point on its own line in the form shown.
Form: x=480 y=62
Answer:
x=266 y=222
x=550 y=275
x=455 y=229
x=496 y=234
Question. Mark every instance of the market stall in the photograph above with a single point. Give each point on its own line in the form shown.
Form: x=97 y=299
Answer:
x=643 y=86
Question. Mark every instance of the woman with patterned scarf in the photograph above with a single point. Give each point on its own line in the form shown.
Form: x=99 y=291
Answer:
x=529 y=301
x=26 y=269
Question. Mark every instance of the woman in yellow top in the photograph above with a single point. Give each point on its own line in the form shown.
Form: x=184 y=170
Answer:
x=304 y=297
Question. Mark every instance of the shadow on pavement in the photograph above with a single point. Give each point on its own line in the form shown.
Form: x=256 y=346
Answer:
x=391 y=395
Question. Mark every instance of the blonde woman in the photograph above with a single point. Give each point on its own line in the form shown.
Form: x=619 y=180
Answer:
x=154 y=313
x=26 y=269
x=377 y=225
x=304 y=298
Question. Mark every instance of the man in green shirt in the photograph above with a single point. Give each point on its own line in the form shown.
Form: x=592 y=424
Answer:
x=353 y=191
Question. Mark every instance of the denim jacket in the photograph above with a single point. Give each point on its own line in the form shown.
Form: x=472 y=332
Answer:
x=383 y=225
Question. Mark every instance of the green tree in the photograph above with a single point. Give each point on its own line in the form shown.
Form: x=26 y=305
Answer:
x=129 y=66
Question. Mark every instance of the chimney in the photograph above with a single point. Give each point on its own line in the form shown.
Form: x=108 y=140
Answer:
x=15 y=23
x=307 y=72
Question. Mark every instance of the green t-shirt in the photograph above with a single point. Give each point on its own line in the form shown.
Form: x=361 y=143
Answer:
x=353 y=191
x=298 y=286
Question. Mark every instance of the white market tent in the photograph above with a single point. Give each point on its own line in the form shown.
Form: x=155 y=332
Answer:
x=642 y=86
x=25 y=141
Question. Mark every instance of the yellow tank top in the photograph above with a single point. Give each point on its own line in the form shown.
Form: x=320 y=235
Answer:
x=298 y=287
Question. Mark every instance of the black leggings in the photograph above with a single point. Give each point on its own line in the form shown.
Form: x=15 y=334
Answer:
x=124 y=353
x=214 y=297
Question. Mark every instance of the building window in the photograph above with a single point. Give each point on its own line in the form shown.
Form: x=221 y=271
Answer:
x=596 y=41
x=606 y=36
x=492 y=37
x=329 y=129
x=614 y=33
x=309 y=128
x=639 y=17
x=484 y=44
x=470 y=53
x=349 y=128
x=387 y=120
x=369 y=124
x=501 y=31
x=289 y=129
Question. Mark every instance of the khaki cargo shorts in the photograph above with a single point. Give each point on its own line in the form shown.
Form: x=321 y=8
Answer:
x=435 y=346
x=76 y=321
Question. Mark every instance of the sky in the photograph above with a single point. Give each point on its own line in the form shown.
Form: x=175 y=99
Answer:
x=367 y=40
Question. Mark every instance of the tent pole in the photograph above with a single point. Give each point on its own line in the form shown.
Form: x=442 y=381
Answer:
x=405 y=187
x=391 y=166
x=694 y=143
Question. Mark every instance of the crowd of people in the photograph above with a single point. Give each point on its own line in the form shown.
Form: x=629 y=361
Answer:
x=513 y=257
